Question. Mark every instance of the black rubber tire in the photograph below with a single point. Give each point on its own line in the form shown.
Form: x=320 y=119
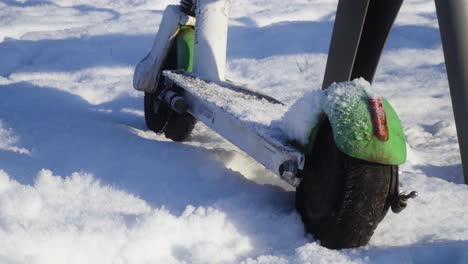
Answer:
x=341 y=199
x=180 y=127
x=156 y=113
x=159 y=117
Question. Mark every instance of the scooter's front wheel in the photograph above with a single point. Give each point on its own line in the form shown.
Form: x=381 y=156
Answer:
x=156 y=113
x=341 y=199
x=159 y=117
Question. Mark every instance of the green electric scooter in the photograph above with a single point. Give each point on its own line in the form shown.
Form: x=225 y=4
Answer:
x=346 y=174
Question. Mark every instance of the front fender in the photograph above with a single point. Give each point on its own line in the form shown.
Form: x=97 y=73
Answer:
x=148 y=70
x=351 y=118
x=185 y=46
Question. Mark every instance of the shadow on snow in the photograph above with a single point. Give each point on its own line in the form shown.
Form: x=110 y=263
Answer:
x=66 y=134
x=283 y=38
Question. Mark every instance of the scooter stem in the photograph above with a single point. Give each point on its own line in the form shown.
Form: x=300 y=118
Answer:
x=211 y=29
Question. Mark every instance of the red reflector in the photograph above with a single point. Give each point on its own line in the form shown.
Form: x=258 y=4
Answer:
x=379 y=119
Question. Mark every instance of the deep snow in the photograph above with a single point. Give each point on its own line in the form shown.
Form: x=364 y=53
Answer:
x=125 y=195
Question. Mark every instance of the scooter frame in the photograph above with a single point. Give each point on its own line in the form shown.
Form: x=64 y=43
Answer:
x=355 y=50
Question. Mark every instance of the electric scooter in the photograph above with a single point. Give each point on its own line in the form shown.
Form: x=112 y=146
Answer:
x=346 y=175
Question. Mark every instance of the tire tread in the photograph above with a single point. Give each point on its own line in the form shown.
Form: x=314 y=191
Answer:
x=341 y=199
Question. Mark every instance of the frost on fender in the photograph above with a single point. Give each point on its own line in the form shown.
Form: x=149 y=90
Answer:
x=379 y=118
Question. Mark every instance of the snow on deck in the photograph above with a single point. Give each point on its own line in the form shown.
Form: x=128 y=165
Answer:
x=243 y=106
x=259 y=112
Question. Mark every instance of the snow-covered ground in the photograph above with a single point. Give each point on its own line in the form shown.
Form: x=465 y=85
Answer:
x=83 y=181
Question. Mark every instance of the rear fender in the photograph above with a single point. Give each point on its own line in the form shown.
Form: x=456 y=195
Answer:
x=356 y=122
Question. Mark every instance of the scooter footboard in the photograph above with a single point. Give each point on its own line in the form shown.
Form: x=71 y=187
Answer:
x=242 y=116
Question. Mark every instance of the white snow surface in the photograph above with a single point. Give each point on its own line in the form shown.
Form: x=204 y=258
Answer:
x=302 y=116
x=126 y=195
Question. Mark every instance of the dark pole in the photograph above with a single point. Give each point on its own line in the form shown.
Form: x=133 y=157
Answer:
x=359 y=34
x=347 y=30
x=381 y=15
x=453 y=24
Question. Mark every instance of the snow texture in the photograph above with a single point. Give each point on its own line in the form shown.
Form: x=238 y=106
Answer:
x=303 y=116
x=340 y=100
x=67 y=107
x=77 y=220
x=8 y=140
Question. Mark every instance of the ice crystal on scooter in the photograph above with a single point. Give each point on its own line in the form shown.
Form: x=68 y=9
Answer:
x=345 y=110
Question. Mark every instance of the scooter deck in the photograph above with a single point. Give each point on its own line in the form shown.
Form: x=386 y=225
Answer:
x=245 y=117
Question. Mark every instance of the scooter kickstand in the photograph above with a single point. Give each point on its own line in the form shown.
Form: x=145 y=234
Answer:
x=400 y=203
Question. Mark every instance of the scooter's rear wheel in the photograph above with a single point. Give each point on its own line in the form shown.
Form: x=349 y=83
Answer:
x=341 y=199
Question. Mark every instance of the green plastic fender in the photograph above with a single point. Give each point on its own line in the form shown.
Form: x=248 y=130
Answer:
x=353 y=131
x=360 y=141
x=185 y=46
